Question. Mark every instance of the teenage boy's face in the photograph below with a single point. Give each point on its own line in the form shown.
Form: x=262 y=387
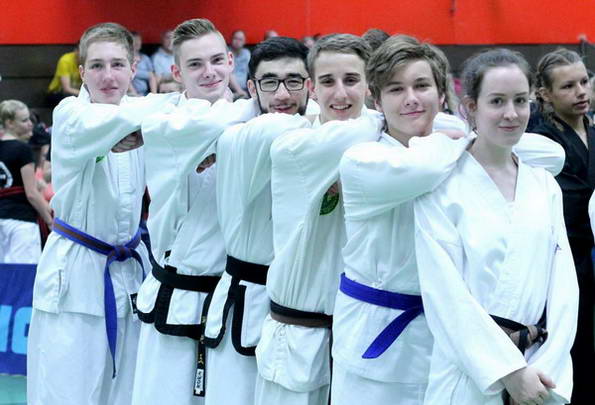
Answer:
x=410 y=101
x=339 y=85
x=281 y=100
x=107 y=72
x=204 y=67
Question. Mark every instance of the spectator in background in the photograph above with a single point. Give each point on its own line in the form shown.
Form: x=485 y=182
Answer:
x=164 y=57
x=144 y=80
x=308 y=41
x=169 y=86
x=270 y=34
x=375 y=37
x=20 y=201
x=241 y=57
x=67 y=80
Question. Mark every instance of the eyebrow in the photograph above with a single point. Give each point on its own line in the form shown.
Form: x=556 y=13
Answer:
x=271 y=75
x=522 y=93
x=102 y=60
x=419 y=79
x=346 y=74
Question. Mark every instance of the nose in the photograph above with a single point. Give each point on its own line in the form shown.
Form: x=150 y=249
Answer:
x=209 y=71
x=581 y=89
x=510 y=113
x=340 y=92
x=411 y=97
x=282 y=91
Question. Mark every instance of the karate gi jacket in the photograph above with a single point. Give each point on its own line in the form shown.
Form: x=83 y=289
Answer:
x=308 y=235
x=244 y=212
x=380 y=181
x=183 y=209
x=479 y=255
x=100 y=193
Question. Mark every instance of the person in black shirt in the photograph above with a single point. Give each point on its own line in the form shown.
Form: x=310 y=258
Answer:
x=564 y=97
x=20 y=201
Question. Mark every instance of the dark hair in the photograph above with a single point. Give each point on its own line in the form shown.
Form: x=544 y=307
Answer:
x=475 y=68
x=400 y=50
x=375 y=37
x=547 y=63
x=338 y=43
x=276 y=48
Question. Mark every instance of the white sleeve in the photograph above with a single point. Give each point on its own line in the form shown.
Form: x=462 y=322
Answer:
x=462 y=329
x=540 y=151
x=592 y=212
x=88 y=130
x=376 y=178
x=247 y=150
x=307 y=160
x=553 y=357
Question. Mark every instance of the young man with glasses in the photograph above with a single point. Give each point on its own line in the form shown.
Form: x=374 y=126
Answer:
x=278 y=81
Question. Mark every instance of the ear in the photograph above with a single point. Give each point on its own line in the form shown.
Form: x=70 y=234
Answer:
x=252 y=88
x=312 y=89
x=470 y=104
x=133 y=68
x=544 y=93
x=442 y=98
x=378 y=105
x=231 y=62
x=176 y=73
x=82 y=72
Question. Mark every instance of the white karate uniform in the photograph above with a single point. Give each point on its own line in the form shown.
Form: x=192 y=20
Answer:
x=244 y=210
x=294 y=361
x=183 y=220
x=380 y=181
x=479 y=255
x=98 y=192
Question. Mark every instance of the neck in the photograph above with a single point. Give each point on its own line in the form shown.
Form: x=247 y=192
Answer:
x=574 y=121
x=9 y=136
x=490 y=155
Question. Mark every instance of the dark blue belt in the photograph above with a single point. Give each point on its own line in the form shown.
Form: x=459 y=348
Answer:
x=118 y=253
x=411 y=305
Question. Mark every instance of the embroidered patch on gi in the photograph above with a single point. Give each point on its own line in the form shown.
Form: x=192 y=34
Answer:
x=329 y=203
x=133 y=307
x=99 y=159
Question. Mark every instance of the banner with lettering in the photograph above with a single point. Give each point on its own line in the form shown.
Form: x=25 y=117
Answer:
x=16 y=294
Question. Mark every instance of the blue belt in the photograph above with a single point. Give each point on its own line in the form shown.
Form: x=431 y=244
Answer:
x=117 y=253
x=411 y=305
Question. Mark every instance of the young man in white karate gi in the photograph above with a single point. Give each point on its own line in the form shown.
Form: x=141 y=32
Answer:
x=382 y=344
x=186 y=239
x=308 y=227
x=83 y=338
x=279 y=83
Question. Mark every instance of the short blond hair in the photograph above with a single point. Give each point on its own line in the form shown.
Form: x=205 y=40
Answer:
x=8 y=110
x=106 y=32
x=338 y=43
x=191 y=29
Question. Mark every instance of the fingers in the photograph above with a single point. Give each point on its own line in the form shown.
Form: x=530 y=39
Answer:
x=546 y=380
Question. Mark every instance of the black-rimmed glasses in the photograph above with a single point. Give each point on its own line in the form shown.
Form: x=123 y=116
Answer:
x=271 y=84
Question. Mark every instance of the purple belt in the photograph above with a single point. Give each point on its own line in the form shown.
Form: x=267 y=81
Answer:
x=118 y=253
x=411 y=305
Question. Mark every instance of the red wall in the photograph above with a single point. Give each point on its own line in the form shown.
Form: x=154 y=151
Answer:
x=472 y=22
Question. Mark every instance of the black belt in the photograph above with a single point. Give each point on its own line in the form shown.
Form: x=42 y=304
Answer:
x=292 y=316
x=523 y=336
x=246 y=271
x=171 y=278
x=239 y=270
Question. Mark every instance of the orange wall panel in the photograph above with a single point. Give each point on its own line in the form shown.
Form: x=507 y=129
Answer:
x=470 y=22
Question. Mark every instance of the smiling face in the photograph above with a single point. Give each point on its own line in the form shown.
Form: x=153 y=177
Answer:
x=570 y=91
x=107 y=72
x=410 y=101
x=339 y=85
x=203 y=65
x=501 y=111
x=281 y=100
